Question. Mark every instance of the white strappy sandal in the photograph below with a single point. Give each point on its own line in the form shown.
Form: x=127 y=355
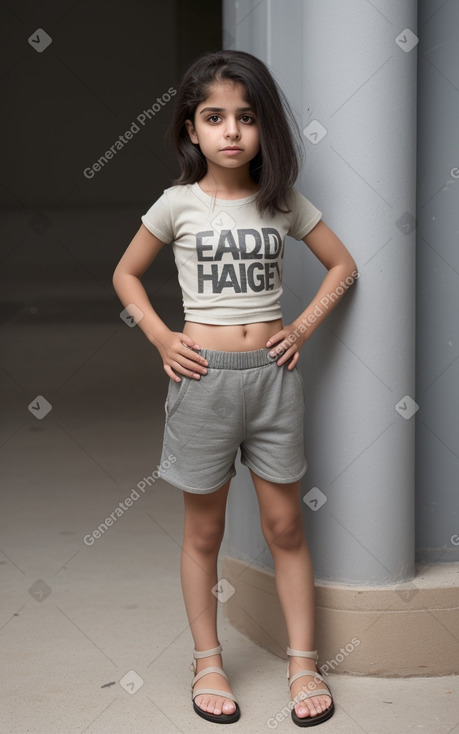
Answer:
x=319 y=718
x=217 y=718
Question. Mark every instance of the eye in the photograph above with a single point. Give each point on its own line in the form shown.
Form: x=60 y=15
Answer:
x=213 y=119
x=248 y=119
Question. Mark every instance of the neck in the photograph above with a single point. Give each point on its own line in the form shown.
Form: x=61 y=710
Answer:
x=231 y=182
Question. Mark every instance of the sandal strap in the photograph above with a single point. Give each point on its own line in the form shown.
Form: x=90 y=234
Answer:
x=311 y=654
x=214 y=692
x=318 y=692
x=206 y=671
x=207 y=653
x=311 y=673
x=302 y=654
x=204 y=654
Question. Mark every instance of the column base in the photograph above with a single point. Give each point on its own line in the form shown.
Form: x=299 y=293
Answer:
x=409 y=629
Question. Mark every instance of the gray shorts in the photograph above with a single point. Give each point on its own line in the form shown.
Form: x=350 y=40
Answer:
x=244 y=401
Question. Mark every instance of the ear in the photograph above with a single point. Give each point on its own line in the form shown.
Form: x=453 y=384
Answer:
x=191 y=132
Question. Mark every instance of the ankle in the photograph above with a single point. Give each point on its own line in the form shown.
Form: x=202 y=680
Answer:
x=209 y=662
x=296 y=663
x=207 y=646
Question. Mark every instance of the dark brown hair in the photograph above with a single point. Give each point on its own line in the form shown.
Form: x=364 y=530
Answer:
x=275 y=167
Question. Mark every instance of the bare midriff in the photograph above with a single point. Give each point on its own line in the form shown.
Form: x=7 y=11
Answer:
x=234 y=338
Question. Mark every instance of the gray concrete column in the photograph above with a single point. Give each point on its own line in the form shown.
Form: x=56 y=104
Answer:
x=437 y=377
x=349 y=70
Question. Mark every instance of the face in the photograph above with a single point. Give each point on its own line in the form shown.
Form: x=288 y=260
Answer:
x=225 y=126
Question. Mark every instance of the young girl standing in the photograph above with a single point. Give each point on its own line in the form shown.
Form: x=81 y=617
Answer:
x=233 y=376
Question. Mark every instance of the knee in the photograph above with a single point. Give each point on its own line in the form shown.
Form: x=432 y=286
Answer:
x=288 y=536
x=205 y=537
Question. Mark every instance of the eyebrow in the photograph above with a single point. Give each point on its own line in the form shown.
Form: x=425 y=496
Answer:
x=222 y=109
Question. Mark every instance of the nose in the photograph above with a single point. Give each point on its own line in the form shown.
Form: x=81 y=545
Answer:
x=232 y=129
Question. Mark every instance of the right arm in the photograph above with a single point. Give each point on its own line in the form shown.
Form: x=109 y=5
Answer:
x=172 y=346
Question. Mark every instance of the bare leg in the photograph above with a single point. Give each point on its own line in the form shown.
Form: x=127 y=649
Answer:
x=282 y=526
x=203 y=533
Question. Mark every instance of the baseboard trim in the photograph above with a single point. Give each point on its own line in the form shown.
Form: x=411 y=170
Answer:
x=405 y=630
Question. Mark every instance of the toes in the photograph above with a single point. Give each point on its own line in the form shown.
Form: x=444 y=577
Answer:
x=316 y=706
x=214 y=705
x=229 y=707
x=301 y=710
x=308 y=708
x=313 y=706
x=324 y=702
x=203 y=702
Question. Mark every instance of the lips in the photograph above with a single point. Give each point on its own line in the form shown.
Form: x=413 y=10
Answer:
x=232 y=147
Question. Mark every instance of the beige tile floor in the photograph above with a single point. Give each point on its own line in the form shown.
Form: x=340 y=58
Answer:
x=78 y=620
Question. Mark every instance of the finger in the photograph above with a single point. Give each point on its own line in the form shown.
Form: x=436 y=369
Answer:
x=194 y=356
x=289 y=342
x=287 y=355
x=189 y=364
x=278 y=349
x=170 y=373
x=186 y=372
x=293 y=361
x=189 y=341
x=275 y=338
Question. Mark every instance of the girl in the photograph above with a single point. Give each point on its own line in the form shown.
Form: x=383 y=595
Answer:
x=233 y=376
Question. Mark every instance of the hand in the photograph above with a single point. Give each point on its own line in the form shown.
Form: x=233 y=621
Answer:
x=288 y=343
x=174 y=348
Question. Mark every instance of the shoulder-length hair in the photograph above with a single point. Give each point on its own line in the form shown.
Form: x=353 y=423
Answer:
x=276 y=165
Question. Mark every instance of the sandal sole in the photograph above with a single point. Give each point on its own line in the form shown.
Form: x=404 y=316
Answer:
x=313 y=720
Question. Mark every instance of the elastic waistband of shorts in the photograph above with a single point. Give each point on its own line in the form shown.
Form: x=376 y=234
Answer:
x=237 y=360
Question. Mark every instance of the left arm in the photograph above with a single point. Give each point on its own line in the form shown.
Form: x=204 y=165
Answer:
x=342 y=271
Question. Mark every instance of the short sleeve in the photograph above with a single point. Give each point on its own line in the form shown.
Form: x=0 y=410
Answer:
x=158 y=219
x=304 y=215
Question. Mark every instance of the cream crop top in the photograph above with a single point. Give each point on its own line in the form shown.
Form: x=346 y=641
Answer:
x=228 y=257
